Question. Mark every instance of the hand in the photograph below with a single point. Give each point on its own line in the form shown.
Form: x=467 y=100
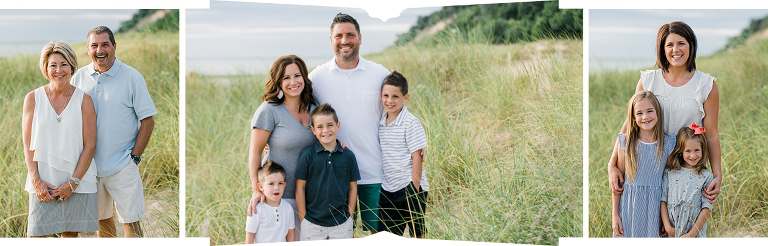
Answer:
x=662 y=232
x=255 y=199
x=41 y=190
x=618 y=228
x=63 y=191
x=616 y=181
x=266 y=149
x=713 y=191
x=689 y=235
x=421 y=152
x=343 y=146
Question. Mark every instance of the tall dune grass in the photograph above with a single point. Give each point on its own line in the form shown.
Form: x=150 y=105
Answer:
x=156 y=56
x=742 y=207
x=503 y=124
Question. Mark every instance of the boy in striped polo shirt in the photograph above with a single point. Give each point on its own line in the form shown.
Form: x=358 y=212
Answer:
x=404 y=188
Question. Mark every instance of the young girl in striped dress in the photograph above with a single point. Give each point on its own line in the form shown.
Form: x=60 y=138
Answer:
x=642 y=156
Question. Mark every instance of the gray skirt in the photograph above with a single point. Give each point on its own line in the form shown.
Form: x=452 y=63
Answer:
x=78 y=214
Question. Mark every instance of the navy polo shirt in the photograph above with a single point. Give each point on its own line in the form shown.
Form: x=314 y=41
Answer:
x=328 y=175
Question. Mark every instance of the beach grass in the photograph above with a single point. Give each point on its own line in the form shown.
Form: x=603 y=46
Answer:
x=742 y=207
x=503 y=124
x=156 y=56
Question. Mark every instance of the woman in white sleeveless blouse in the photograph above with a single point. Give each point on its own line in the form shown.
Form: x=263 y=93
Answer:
x=686 y=95
x=59 y=135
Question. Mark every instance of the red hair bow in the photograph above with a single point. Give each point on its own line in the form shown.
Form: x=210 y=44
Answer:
x=696 y=128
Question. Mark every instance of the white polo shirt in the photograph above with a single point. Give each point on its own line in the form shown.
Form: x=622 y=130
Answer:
x=121 y=99
x=354 y=94
x=399 y=139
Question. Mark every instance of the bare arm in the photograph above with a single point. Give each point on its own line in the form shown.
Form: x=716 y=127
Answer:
x=416 y=169
x=703 y=216
x=618 y=227
x=142 y=138
x=89 y=148
x=301 y=199
x=250 y=237
x=616 y=178
x=41 y=187
x=665 y=219
x=352 y=197
x=712 y=108
x=291 y=236
x=259 y=138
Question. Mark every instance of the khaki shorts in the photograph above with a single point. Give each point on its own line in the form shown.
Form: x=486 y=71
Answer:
x=124 y=191
x=311 y=232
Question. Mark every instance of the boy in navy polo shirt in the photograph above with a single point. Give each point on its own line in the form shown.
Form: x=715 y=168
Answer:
x=326 y=181
x=404 y=188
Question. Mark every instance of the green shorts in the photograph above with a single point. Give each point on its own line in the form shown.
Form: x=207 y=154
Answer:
x=368 y=205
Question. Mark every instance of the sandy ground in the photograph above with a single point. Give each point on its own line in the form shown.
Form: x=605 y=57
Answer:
x=162 y=217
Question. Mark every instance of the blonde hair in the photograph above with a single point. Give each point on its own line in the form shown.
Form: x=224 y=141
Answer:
x=58 y=48
x=676 y=160
x=633 y=133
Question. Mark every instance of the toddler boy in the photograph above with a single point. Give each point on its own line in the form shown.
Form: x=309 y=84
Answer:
x=266 y=226
x=404 y=188
x=326 y=181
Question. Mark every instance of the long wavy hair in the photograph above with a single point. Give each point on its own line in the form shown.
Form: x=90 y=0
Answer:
x=633 y=133
x=272 y=87
x=685 y=134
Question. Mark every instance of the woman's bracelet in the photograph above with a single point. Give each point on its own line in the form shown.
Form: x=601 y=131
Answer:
x=69 y=181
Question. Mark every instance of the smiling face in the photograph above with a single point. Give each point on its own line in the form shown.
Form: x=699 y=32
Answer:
x=293 y=81
x=645 y=115
x=325 y=129
x=273 y=186
x=59 y=70
x=392 y=99
x=102 y=51
x=677 y=50
x=692 y=153
x=345 y=41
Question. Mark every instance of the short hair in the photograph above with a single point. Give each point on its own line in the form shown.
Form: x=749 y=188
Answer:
x=324 y=109
x=682 y=29
x=270 y=168
x=273 y=85
x=675 y=161
x=396 y=79
x=58 y=48
x=99 y=30
x=344 y=18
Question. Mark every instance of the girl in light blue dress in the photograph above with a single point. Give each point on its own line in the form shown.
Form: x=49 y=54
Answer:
x=684 y=209
x=642 y=154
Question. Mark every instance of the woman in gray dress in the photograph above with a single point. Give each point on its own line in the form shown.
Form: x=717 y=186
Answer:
x=59 y=135
x=282 y=122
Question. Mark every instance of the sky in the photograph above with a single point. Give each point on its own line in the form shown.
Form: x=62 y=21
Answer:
x=626 y=39
x=236 y=37
x=27 y=31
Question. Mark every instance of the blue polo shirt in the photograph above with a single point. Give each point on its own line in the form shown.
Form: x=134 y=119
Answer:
x=328 y=174
x=121 y=100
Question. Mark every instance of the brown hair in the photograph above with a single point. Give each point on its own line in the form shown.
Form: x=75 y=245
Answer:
x=396 y=79
x=633 y=133
x=272 y=87
x=679 y=28
x=344 y=18
x=99 y=30
x=324 y=109
x=269 y=168
x=58 y=48
x=675 y=161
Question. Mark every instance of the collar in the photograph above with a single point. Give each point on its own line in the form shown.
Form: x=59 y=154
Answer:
x=360 y=64
x=112 y=72
x=398 y=120
x=319 y=147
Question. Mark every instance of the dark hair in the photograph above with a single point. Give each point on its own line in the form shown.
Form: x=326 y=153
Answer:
x=344 y=18
x=682 y=29
x=324 y=109
x=272 y=87
x=270 y=168
x=396 y=79
x=99 y=30
x=675 y=160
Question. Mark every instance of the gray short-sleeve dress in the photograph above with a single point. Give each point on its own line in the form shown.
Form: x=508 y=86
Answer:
x=683 y=191
x=639 y=204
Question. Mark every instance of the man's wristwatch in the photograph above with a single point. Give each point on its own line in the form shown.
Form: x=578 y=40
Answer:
x=136 y=159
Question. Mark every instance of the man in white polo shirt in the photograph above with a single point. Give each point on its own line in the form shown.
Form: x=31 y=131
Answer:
x=351 y=85
x=121 y=100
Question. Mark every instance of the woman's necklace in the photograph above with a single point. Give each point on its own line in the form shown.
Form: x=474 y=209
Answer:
x=58 y=117
x=675 y=88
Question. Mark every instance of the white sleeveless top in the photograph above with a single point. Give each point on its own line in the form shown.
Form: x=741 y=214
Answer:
x=57 y=145
x=681 y=105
